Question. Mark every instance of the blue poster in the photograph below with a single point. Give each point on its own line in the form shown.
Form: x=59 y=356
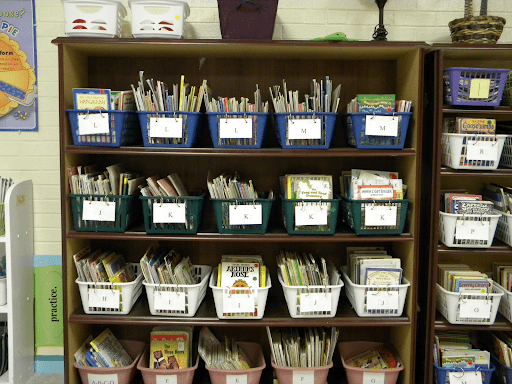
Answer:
x=18 y=85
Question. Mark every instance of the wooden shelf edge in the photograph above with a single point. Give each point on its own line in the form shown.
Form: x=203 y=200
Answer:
x=501 y=172
x=501 y=324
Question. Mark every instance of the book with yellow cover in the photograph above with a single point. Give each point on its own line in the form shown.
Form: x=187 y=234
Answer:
x=170 y=347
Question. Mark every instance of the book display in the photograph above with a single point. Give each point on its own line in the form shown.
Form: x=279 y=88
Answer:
x=468 y=281
x=232 y=268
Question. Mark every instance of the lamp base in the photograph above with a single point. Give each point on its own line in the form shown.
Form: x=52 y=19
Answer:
x=380 y=33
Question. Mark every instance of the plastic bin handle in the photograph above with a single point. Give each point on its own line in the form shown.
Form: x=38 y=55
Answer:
x=255 y=7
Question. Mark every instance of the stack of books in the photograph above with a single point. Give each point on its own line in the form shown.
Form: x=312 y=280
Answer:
x=304 y=270
x=228 y=105
x=170 y=186
x=231 y=187
x=102 y=266
x=163 y=266
x=217 y=355
x=373 y=266
x=466 y=204
x=170 y=347
x=377 y=104
x=104 y=351
x=460 y=278
x=502 y=274
x=241 y=271
x=103 y=99
x=499 y=195
x=382 y=357
x=500 y=345
x=455 y=351
x=360 y=184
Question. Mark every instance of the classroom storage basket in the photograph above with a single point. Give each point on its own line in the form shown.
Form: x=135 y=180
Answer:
x=448 y=229
x=506 y=154
x=293 y=293
x=127 y=208
x=349 y=349
x=353 y=213
x=357 y=294
x=253 y=19
x=507 y=92
x=2 y=219
x=128 y=294
x=254 y=353
x=291 y=375
x=503 y=373
x=323 y=141
x=222 y=209
x=459 y=80
x=259 y=293
x=505 y=307
x=93 y=18
x=289 y=207
x=442 y=375
x=193 y=214
x=159 y=18
x=259 y=121
x=355 y=124
x=124 y=129
x=454 y=148
x=156 y=376
x=123 y=375
x=194 y=294
x=448 y=303
x=189 y=127
x=504 y=228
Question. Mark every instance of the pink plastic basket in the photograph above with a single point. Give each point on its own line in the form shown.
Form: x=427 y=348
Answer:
x=149 y=375
x=290 y=375
x=350 y=349
x=254 y=354
x=123 y=375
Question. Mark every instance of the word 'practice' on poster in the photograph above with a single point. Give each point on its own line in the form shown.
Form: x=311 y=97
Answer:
x=18 y=86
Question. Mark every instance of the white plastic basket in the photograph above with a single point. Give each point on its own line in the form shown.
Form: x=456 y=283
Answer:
x=455 y=150
x=93 y=18
x=482 y=236
x=128 y=294
x=357 y=295
x=242 y=295
x=506 y=301
x=504 y=229
x=159 y=18
x=448 y=303
x=193 y=295
x=293 y=294
x=506 y=155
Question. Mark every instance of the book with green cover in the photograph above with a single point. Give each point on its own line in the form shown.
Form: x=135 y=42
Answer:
x=48 y=311
x=376 y=103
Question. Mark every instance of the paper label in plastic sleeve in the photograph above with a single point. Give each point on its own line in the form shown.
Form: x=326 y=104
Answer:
x=169 y=300
x=93 y=124
x=385 y=300
x=467 y=377
x=99 y=210
x=236 y=379
x=482 y=150
x=373 y=377
x=310 y=214
x=380 y=215
x=166 y=379
x=104 y=298
x=381 y=125
x=169 y=127
x=304 y=129
x=245 y=214
x=303 y=377
x=315 y=302
x=474 y=309
x=169 y=213
x=472 y=230
x=235 y=128
x=238 y=302
x=479 y=88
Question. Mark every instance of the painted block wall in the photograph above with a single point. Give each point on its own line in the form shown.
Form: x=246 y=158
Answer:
x=35 y=155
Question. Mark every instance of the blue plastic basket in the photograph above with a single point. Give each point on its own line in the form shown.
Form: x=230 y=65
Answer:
x=124 y=129
x=355 y=124
x=442 y=376
x=503 y=373
x=328 y=121
x=190 y=122
x=259 y=121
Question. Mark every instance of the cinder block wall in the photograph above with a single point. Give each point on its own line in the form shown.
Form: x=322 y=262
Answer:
x=35 y=155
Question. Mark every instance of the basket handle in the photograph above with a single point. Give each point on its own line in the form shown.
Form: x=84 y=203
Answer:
x=252 y=6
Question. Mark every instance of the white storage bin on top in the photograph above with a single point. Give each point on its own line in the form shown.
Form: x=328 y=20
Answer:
x=93 y=18
x=159 y=18
x=468 y=231
x=464 y=151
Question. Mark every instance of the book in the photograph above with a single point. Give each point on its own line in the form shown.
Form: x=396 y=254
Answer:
x=468 y=207
x=48 y=302
x=376 y=103
x=466 y=125
x=383 y=276
x=170 y=347
x=239 y=271
x=91 y=98
x=111 y=350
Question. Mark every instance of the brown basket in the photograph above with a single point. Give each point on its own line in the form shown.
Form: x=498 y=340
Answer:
x=477 y=29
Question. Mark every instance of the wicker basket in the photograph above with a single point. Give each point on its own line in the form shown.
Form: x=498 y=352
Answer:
x=477 y=29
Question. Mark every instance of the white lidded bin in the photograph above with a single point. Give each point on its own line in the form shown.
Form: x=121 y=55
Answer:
x=358 y=295
x=230 y=302
x=93 y=18
x=185 y=306
x=463 y=151
x=506 y=301
x=468 y=308
x=120 y=296
x=159 y=18
x=468 y=231
x=314 y=300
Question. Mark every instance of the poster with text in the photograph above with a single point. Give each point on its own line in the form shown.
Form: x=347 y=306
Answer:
x=18 y=85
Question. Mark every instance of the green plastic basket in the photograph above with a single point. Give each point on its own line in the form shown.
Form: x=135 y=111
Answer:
x=2 y=219
x=127 y=211
x=193 y=209
x=221 y=208
x=288 y=210
x=353 y=214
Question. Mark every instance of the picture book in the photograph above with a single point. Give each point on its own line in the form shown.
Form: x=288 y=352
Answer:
x=383 y=276
x=472 y=285
x=308 y=187
x=91 y=98
x=80 y=354
x=239 y=271
x=467 y=125
x=376 y=103
x=111 y=350
x=170 y=347
x=468 y=207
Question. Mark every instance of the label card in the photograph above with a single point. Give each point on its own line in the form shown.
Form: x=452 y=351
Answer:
x=479 y=88
x=373 y=377
x=315 y=302
x=238 y=302
x=303 y=377
x=96 y=378
x=236 y=379
x=245 y=214
x=380 y=215
x=306 y=214
x=472 y=230
x=99 y=210
x=169 y=300
x=467 y=377
x=169 y=213
x=104 y=298
x=235 y=128
x=171 y=127
x=475 y=309
x=93 y=124
x=482 y=150
x=381 y=125
x=385 y=300
x=166 y=379
x=302 y=129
